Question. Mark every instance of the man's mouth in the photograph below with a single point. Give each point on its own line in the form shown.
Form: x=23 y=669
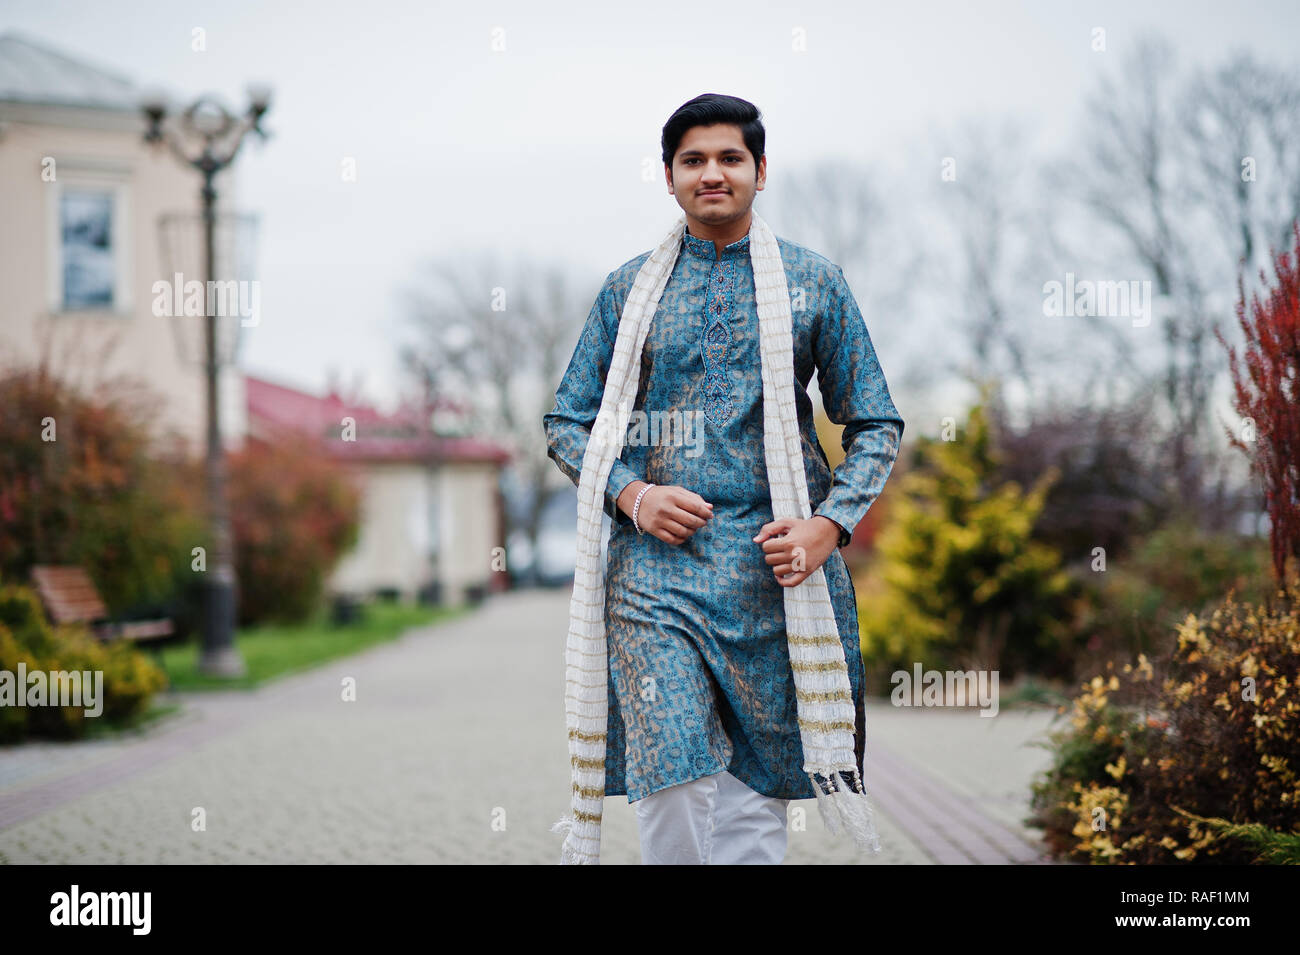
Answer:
x=715 y=192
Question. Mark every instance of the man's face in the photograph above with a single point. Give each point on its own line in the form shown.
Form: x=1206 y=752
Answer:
x=713 y=176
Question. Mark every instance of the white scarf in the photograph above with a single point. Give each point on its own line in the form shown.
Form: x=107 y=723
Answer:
x=821 y=679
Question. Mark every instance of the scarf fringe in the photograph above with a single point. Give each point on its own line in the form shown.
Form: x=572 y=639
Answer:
x=845 y=810
x=570 y=854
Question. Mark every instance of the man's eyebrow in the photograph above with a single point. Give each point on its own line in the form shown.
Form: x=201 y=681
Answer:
x=697 y=152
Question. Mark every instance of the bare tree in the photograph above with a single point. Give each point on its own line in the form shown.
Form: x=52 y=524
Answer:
x=843 y=211
x=836 y=208
x=496 y=339
x=1164 y=170
x=980 y=262
x=1242 y=127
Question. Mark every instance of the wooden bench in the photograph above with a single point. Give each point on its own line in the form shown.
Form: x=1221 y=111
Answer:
x=70 y=596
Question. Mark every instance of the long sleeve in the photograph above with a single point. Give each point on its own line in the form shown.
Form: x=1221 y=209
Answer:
x=855 y=395
x=577 y=402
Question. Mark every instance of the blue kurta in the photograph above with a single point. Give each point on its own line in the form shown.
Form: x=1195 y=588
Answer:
x=699 y=669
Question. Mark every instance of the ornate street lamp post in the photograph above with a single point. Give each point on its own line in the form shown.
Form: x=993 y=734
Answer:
x=208 y=139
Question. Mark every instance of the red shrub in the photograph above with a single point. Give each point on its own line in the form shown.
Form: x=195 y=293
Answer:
x=81 y=483
x=294 y=513
x=1269 y=395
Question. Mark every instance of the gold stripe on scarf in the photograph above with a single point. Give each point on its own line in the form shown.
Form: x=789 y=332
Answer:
x=823 y=726
x=828 y=697
x=822 y=640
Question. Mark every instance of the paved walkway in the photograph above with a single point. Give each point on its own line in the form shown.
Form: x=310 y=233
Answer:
x=454 y=751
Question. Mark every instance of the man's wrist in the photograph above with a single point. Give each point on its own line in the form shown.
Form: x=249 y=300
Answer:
x=841 y=535
x=627 y=498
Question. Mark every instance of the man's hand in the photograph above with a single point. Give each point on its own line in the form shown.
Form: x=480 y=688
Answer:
x=669 y=512
x=796 y=548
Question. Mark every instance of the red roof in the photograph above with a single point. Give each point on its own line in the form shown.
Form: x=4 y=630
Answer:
x=401 y=436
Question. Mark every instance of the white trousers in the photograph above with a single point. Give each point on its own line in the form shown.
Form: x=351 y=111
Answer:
x=714 y=820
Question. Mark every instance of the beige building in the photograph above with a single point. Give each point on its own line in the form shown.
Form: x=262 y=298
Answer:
x=431 y=508
x=80 y=199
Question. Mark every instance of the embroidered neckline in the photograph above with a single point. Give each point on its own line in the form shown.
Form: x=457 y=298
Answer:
x=704 y=248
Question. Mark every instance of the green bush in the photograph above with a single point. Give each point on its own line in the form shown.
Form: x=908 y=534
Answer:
x=962 y=580
x=1196 y=766
x=1136 y=603
x=130 y=678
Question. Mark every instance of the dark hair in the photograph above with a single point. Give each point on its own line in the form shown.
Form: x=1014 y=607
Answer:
x=707 y=110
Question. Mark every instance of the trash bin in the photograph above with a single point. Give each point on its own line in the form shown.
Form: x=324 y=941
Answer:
x=346 y=610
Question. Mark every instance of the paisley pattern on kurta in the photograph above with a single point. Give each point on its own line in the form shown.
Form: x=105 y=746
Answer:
x=699 y=668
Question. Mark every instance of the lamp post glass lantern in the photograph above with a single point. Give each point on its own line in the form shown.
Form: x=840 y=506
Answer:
x=182 y=240
x=206 y=137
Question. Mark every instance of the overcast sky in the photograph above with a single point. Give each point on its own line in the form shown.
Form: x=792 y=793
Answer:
x=539 y=149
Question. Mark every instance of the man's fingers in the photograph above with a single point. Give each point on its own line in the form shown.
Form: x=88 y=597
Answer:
x=674 y=528
x=787 y=576
x=776 y=545
x=688 y=519
x=688 y=501
x=780 y=557
x=772 y=529
x=680 y=513
x=694 y=504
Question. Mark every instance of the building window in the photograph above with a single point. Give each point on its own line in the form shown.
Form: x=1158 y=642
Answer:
x=87 y=249
x=89 y=230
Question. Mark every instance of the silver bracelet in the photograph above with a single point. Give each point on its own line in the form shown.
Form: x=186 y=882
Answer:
x=637 y=507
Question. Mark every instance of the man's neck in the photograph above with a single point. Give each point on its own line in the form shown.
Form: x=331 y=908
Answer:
x=722 y=236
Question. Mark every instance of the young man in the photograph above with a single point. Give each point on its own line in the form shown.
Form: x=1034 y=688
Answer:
x=703 y=726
